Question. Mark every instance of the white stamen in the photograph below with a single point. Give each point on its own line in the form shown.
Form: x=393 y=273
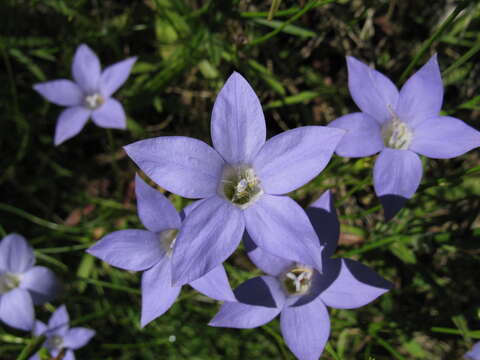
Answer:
x=240 y=185
x=8 y=281
x=167 y=240
x=297 y=280
x=94 y=101
x=55 y=342
x=396 y=134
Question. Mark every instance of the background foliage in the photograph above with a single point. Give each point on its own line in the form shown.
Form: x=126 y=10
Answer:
x=64 y=199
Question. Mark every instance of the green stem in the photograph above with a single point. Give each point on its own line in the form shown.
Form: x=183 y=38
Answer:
x=33 y=346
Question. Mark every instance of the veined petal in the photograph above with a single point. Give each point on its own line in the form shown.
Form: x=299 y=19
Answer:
x=362 y=137
x=110 y=115
x=422 y=95
x=70 y=122
x=209 y=235
x=77 y=337
x=396 y=176
x=372 y=91
x=215 y=284
x=16 y=256
x=306 y=329
x=158 y=294
x=444 y=137
x=294 y=157
x=268 y=263
x=41 y=283
x=129 y=249
x=115 y=75
x=280 y=226
x=16 y=309
x=86 y=69
x=61 y=92
x=59 y=321
x=155 y=211
x=238 y=125
x=182 y=165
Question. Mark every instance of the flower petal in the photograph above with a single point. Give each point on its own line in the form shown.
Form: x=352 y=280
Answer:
x=110 y=115
x=41 y=283
x=70 y=122
x=115 y=75
x=134 y=250
x=444 y=137
x=182 y=165
x=306 y=329
x=372 y=91
x=35 y=356
x=158 y=294
x=422 y=95
x=77 y=337
x=238 y=125
x=16 y=309
x=473 y=354
x=280 y=226
x=363 y=136
x=16 y=256
x=39 y=328
x=69 y=355
x=155 y=211
x=209 y=235
x=86 y=69
x=294 y=157
x=215 y=285
x=396 y=176
x=61 y=92
x=59 y=321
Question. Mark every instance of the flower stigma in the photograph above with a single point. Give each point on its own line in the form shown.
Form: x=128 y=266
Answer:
x=240 y=185
x=297 y=280
x=94 y=101
x=167 y=240
x=396 y=134
x=55 y=342
x=8 y=281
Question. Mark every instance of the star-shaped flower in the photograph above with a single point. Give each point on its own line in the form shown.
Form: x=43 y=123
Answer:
x=151 y=250
x=300 y=293
x=61 y=339
x=22 y=285
x=473 y=354
x=89 y=96
x=400 y=125
x=240 y=180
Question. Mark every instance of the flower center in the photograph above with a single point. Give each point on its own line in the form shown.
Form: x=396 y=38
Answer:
x=8 y=282
x=396 y=134
x=167 y=240
x=240 y=185
x=55 y=342
x=297 y=280
x=94 y=101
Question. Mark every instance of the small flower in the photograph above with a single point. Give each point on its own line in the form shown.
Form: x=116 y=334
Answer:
x=299 y=292
x=473 y=354
x=60 y=338
x=240 y=182
x=22 y=285
x=89 y=96
x=400 y=125
x=151 y=250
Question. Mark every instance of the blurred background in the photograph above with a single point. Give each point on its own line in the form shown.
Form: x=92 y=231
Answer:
x=63 y=199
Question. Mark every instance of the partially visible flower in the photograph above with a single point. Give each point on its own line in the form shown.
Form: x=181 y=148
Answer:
x=60 y=338
x=22 y=285
x=241 y=181
x=400 y=125
x=89 y=96
x=151 y=250
x=299 y=292
x=473 y=354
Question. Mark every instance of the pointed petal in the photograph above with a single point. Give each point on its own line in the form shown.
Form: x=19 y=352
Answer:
x=16 y=309
x=86 y=69
x=238 y=126
x=69 y=355
x=209 y=235
x=396 y=176
x=280 y=226
x=294 y=157
x=110 y=115
x=134 y=250
x=372 y=91
x=355 y=286
x=115 y=75
x=16 y=256
x=444 y=137
x=306 y=329
x=422 y=95
x=70 y=122
x=41 y=283
x=363 y=136
x=61 y=92
x=215 y=284
x=59 y=321
x=182 y=165
x=77 y=337
x=473 y=354
x=39 y=328
x=158 y=294
x=155 y=211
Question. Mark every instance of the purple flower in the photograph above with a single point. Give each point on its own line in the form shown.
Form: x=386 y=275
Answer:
x=89 y=96
x=151 y=250
x=299 y=292
x=400 y=125
x=60 y=337
x=21 y=283
x=240 y=182
x=473 y=354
